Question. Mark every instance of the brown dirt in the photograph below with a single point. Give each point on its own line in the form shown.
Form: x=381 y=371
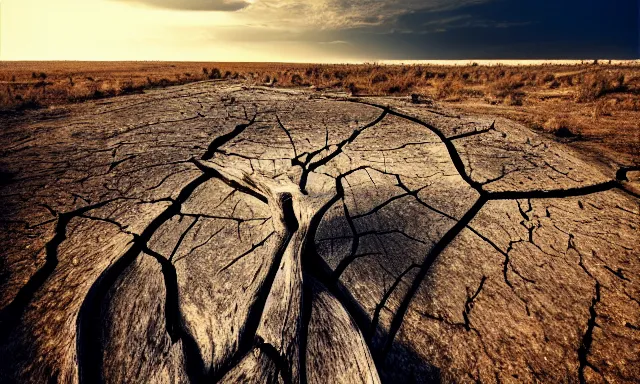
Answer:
x=597 y=107
x=216 y=232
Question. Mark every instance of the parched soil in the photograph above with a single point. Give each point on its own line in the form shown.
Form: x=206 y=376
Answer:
x=611 y=136
x=220 y=232
x=595 y=108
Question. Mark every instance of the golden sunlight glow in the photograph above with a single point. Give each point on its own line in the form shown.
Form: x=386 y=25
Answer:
x=119 y=30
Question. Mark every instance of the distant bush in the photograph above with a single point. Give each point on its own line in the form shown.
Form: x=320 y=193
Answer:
x=215 y=74
x=596 y=84
x=29 y=103
x=130 y=88
x=505 y=85
x=514 y=99
x=352 y=88
x=602 y=108
x=394 y=89
x=340 y=75
x=379 y=78
x=560 y=127
x=448 y=90
x=296 y=79
x=549 y=77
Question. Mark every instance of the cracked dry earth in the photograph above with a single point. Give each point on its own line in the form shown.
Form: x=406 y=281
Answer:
x=219 y=233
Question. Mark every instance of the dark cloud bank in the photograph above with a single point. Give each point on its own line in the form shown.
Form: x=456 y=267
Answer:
x=511 y=29
x=483 y=29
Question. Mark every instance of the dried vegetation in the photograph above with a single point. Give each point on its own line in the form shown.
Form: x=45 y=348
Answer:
x=589 y=101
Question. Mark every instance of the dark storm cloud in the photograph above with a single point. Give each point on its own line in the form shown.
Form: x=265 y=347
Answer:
x=195 y=5
x=433 y=29
x=508 y=29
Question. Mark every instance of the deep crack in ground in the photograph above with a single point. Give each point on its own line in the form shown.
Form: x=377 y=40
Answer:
x=315 y=247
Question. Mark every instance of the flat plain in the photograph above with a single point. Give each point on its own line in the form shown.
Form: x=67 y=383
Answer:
x=594 y=107
x=222 y=231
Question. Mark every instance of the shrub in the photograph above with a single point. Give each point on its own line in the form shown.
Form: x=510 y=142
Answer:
x=559 y=126
x=596 y=84
x=591 y=87
x=394 y=89
x=451 y=90
x=29 y=103
x=507 y=91
x=505 y=87
x=379 y=78
x=601 y=109
x=130 y=88
x=164 y=82
x=352 y=88
x=564 y=132
x=41 y=84
x=215 y=74
x=514 y=99
x=296 y=79
x=340 y=75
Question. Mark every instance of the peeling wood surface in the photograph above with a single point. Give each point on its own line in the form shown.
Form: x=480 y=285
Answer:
x=219 y=233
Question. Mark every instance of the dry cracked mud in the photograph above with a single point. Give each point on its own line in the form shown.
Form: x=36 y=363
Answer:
x=221 y=233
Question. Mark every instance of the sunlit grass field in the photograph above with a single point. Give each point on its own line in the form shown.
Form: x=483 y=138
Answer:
x=597 y=101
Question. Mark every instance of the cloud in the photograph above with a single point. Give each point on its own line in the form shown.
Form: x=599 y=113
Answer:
x=466 y=22
x=314 y=14
x=345 y=14
x=196 y=5
x=334 y=42
x=446 y=20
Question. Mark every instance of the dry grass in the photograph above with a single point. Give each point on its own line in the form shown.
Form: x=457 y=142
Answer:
x=589 y=101
x=31 y=84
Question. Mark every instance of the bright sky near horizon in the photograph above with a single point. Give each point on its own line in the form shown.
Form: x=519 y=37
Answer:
x=120 y=30
x=316 y=30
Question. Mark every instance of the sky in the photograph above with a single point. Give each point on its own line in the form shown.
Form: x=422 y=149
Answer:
x=318 y=30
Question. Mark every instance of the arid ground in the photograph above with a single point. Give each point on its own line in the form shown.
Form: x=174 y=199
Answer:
x=223 y=231
x=596 y=108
